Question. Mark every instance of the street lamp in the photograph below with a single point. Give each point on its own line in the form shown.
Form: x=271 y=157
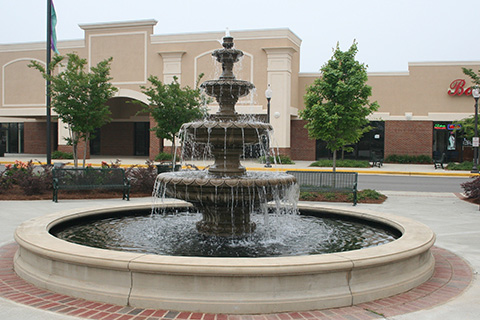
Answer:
x=475 y=142
x=268 y=95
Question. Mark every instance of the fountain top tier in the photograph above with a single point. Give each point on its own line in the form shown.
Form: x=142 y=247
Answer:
x=227 y=89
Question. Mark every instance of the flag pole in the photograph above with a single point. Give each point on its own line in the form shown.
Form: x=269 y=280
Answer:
x=49 y=57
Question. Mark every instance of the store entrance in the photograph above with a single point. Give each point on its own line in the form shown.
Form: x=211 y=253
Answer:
x=445 y=140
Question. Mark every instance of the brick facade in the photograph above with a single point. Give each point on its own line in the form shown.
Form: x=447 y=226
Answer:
x=302 y=148
x=156 y=144
x=80 y=149
x=408 y=138
x=35 y=139
x=117 y=138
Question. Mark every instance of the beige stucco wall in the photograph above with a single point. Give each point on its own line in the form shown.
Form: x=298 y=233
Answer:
x=137 y=54
x=419 y=94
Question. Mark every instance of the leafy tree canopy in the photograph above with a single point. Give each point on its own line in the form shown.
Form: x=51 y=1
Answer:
x=337 y=104
x=468 y=124
x=79 y=96
x=171 y=106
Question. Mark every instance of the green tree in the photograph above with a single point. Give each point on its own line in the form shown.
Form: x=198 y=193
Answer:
x=474 y=76
x=171 y=106
x=79 y=97
x=336 y=104
x=468 y=124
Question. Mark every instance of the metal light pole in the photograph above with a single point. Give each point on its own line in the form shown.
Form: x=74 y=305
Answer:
x=475 y=142
x=48 y=102
x=268 y=95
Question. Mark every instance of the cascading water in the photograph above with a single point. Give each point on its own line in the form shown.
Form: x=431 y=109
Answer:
x=226 y=195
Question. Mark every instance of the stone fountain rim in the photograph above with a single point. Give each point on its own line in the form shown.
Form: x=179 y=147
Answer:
x=202 y=284
x=34 y=235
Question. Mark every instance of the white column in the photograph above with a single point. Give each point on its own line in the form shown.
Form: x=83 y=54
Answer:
x=63 y=133
x=172 y=65
x=279 y=75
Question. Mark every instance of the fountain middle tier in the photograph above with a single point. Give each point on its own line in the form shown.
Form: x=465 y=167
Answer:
x=226 y=140
x=226 y=203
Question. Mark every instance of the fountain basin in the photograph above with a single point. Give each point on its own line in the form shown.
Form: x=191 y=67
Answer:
x=224 y=285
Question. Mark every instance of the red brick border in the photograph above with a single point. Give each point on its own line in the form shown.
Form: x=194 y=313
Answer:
x=451 y=277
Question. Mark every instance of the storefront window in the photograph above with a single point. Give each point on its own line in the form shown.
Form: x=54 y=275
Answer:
x=371 y=142
x=446 y=140
x=12 y=137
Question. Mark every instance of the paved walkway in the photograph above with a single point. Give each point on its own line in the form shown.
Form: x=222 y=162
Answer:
x=455 y=222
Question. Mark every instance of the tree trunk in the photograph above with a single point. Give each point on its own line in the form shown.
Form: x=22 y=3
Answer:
x=334 y=169
x=87 y=139
x=75 y=155
x=334 y=161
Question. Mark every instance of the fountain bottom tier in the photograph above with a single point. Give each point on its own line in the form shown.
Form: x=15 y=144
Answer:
x=226 y=203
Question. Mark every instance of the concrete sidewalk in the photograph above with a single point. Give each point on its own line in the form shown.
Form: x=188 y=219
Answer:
x=387 y=168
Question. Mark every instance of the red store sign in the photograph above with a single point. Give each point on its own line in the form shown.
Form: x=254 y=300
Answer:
x=457 y=88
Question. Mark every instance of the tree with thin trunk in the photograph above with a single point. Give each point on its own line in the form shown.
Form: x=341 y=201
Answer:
x=79 y=97
x=336 y=104
x=170 y=105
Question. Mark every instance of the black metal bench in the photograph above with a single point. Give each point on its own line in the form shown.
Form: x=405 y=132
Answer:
x=377 y=160
x=90 y=179
x=438 y=162
x=327 y=181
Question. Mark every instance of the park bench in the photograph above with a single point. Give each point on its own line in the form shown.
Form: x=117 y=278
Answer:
x=327 y=181
x=377 y=160
x=90 y=179
x=439 y=161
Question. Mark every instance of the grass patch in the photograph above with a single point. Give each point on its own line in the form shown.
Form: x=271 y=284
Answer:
x=62 y=155
x=363 y=196
x=466 y=165
x=405 y=158
x=342 y=163
x=278 y=159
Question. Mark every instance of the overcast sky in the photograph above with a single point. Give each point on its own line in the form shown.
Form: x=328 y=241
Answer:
x=389 y=33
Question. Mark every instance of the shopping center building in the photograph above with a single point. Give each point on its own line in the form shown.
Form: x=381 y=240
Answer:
x=418 y=107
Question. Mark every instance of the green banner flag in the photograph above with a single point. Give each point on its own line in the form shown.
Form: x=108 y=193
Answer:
x=53 y=34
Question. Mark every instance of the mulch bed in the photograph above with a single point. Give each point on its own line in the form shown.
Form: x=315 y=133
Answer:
x=16 y=193
x=341 y=197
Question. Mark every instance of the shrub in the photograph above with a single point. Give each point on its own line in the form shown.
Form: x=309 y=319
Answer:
x=164 y=156
x=28 y=178
x=307 y=196
x=472 y=188
x=341 y=163
x=466 y=165
x=142 y=179
x=279 y=159
x=405 y=158
x=62 y=155
x=366 y=194
x=4 y=183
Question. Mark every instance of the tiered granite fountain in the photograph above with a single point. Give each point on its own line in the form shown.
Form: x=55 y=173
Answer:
x=227 y=195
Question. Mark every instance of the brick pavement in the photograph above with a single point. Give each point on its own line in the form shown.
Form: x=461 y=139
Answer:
x=451 y=277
